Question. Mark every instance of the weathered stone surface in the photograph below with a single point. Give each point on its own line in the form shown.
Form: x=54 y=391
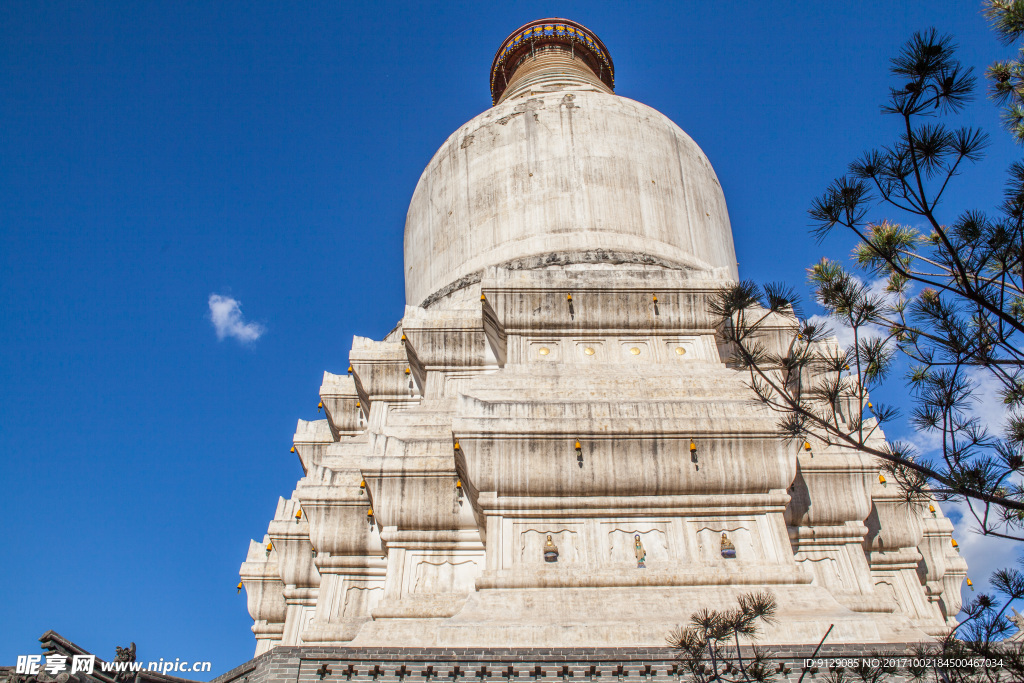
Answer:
x=564 y=172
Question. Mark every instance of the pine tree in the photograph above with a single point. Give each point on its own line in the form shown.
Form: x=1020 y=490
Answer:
x=947 y=308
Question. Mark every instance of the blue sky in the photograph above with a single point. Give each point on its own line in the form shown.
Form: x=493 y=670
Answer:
x=155 y=154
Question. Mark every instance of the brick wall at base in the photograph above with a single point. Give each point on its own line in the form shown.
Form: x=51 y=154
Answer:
x=527 y=665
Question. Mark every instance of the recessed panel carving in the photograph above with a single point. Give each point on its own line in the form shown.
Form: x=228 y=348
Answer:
x=635 y=351
x=445 y=576
x=710 y=544
x=359 y=600
x=622 y=546
x=825 y=571
x=544 y=351
x=532 y=543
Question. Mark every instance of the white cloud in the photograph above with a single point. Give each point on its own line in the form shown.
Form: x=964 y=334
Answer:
x=988 y=406
x=226 y=316
x=844 y=333
x=984 y=554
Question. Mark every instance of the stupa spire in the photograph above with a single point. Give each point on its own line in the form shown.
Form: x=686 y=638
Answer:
x=550 y=54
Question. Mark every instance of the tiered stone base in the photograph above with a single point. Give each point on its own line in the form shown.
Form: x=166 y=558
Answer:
x=629 y=617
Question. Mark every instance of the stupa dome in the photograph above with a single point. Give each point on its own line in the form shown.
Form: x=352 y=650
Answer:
x=562 y=171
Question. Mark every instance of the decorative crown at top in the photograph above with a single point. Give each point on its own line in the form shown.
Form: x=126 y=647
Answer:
x=548 y=31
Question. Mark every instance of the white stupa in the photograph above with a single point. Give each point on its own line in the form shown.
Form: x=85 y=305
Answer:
x=551 y=449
